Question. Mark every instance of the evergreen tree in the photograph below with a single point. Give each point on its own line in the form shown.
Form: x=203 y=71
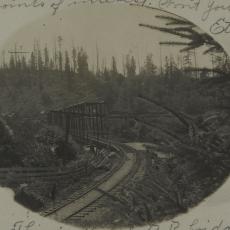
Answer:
x=60 y=57
x=18 y=63
x=32 y=62
x=149 y=68
x=74 y=59
x=130 y=66
x=83 y=69
x=46 y=58
x=167 y=67
x=40 y=66
x=190 y=38
x=24 y=64
x=114 y=66
x=40 y=61
x=186 y=30
x=12 y=62
x=51 y=64
x=187 y=60
x=60 y=61
x=67 y=62
x=55 y=56
x=4 y=65
x=68 y=70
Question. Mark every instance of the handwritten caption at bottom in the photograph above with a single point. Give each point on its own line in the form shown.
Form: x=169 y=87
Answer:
x=173 y=225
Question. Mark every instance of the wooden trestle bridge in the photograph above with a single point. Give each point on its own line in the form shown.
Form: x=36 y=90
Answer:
x=89 y=121
x=82 y=121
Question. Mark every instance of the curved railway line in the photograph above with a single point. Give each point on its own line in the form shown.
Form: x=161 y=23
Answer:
x=101 y=201
x=85 y=198
x=77 y=201
x=88 y=201
x=148 y=191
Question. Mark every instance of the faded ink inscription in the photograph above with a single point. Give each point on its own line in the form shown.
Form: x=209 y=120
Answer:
x=210 y=7
x=173 y=225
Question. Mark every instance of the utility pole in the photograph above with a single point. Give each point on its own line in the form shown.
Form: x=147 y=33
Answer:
x=16 y=53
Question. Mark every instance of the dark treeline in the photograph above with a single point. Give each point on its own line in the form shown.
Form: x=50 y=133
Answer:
x=41 y=59
x=76 y=61
x=68 y=72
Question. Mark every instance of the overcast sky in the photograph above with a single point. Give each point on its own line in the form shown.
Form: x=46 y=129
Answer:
x=113 y=28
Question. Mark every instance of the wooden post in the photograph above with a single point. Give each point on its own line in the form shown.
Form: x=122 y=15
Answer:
x=83 y=110
x=93 y=113
x=78 y=123
x=97 y=125
x=102 y=120
x=67 y=128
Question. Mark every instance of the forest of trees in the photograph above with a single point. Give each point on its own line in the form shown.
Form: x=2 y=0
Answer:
x=76 y=61
x=40 y=59
x=187 y=105
x=171 y=81
x=46 y=79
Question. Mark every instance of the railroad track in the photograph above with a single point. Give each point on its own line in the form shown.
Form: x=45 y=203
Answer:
x=148 y=191
x=78 y=216
x=88 y=199
x=83 y=191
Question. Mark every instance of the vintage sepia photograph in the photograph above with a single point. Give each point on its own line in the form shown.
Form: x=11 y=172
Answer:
x=113 y=116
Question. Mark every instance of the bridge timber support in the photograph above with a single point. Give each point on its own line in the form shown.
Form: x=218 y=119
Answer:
x=82 y=121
